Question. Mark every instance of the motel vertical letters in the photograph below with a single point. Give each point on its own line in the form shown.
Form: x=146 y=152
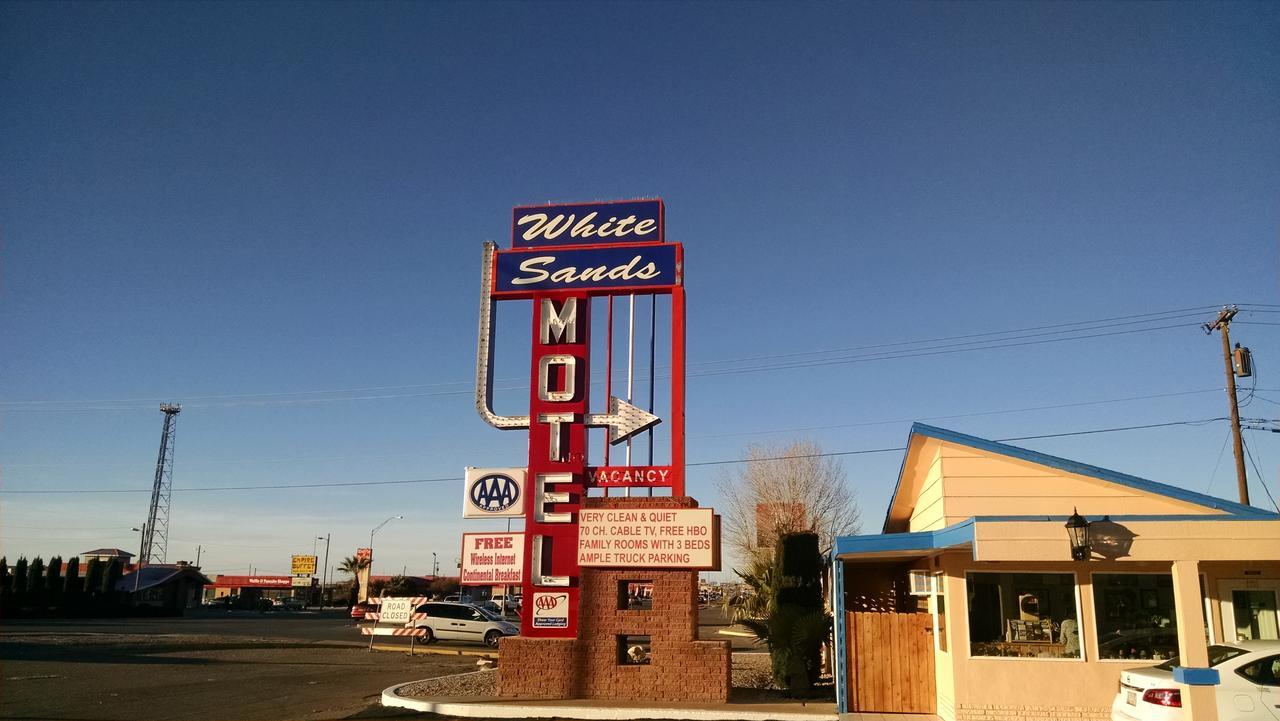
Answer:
x=558 y=401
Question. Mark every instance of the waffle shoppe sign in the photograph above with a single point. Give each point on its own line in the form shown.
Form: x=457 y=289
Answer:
x=649 y=538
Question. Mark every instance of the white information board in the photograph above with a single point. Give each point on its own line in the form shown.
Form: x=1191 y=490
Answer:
x=648 y=538
x=396 y=610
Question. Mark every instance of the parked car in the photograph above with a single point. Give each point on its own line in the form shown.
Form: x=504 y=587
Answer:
x=1248 y=688
x=508 y=604
x=359 y=610
x=288 y=604
x=222 y=602
x=463 y=622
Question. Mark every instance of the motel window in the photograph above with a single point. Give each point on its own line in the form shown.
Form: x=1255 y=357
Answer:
x=1135 y=615
x=1030 y=615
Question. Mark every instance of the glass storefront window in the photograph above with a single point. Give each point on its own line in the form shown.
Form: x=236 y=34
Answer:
x=1135 y=615
x=1029 y=615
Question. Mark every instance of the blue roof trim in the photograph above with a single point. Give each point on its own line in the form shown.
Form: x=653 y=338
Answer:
x=1262 y=516
x=917 y=541
x=1083 y=469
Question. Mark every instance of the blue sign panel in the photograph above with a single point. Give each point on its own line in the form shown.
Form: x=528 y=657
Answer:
x=605 y=269
x=621 y=221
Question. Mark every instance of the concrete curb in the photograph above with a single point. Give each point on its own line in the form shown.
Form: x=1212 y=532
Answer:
x=516 y=710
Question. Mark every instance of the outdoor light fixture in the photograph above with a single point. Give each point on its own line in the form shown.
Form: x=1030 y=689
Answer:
x=1078 y=533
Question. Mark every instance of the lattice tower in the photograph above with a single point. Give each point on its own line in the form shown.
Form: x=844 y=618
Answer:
x=155 y=543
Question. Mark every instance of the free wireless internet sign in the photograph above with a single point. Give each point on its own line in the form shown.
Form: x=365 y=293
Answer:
x=494 y=493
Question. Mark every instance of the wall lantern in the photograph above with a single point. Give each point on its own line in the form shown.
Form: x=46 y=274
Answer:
x=1078 y=533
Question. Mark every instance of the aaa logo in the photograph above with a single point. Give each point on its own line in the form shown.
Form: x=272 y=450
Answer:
x=494 y=493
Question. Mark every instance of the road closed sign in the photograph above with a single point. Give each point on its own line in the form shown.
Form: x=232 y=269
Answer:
x=649 y=538
x=396 y=610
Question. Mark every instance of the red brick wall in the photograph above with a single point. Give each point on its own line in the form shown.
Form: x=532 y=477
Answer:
x=681 y=668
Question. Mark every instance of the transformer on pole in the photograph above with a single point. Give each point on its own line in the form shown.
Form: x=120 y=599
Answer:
x=155 y=542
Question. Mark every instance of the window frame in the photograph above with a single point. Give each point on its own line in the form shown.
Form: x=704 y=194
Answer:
x=1075 y=582
x=1093 y=591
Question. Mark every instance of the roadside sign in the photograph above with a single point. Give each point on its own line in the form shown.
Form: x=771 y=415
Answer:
x=619 y=221
x=304 y=565
x=596 y=269
x=364 y=554
x=492 y=559
x=494 y=493
x=649 y=538
x=302 y=581
x=396 y=610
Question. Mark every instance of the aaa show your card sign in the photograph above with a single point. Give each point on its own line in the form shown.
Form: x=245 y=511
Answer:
x=649 y=538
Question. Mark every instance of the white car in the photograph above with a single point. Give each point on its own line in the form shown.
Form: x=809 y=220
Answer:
x=1248 y=688
x=463 y=622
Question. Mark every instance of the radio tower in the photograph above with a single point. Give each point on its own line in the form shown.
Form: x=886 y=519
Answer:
x=155 y=535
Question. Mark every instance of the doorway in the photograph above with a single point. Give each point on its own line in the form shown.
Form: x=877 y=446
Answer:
x=1249 y=609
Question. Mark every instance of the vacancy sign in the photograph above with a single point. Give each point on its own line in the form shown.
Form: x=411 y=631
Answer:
x=492 y=559
x=649 y=538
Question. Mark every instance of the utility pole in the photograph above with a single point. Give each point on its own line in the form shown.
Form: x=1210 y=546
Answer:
x=198 y=556
x=1222 y=324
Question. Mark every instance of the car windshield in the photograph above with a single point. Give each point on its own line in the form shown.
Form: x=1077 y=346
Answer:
x=487 y=613
x=1217 y=655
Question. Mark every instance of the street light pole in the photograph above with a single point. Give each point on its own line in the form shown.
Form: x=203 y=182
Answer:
x=137 y=570
x=324 y=570
x=435 y=565
x=375 y=530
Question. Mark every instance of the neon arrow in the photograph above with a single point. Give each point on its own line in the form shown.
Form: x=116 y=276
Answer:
x=484 y=351
x=623 y=420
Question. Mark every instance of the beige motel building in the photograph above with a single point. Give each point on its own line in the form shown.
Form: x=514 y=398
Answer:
x=969 y=604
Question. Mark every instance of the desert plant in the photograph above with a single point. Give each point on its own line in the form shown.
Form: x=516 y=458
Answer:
x=397 y=586
x=53 y=581
x=441 y=587
x=93 y=578
x=36 y=596
x=73 y=585
x=110 y=577
x=798 y=625
x=20 y=582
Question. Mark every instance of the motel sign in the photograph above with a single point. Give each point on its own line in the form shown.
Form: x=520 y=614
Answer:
x=562 y=257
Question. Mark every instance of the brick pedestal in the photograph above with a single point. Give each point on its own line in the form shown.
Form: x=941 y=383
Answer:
x=681 y=668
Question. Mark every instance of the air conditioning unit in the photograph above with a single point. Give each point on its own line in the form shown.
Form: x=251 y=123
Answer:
x=923 y=583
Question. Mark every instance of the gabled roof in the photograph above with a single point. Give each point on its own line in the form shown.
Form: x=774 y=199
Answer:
x=920 y=431
x=117 y=552
x=157 y=575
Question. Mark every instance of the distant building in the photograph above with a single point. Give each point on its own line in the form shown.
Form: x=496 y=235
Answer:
x=104 y=555
x=166 y=586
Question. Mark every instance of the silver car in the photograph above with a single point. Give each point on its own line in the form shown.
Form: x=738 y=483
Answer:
x=463 y=622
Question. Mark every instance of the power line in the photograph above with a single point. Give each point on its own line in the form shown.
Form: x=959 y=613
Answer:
x=930 y=346
x=929 y=352
x=1182 y=313
x=964 y=415
x=455 y=479
x=1261 y=479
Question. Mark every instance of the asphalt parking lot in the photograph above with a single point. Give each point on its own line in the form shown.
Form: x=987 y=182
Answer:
x=208 y=666
x=220 y=665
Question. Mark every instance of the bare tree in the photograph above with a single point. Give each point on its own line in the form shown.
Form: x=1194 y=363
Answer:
x=785 y=489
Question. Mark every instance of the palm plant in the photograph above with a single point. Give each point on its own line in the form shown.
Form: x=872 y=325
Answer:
x=353 y=566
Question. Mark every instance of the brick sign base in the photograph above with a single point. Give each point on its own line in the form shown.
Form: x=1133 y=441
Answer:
x=681 y=668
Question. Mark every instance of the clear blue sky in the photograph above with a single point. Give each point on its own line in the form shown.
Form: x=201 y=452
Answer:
x=252 y=209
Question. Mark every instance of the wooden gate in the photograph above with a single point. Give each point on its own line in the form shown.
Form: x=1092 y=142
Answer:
x=890 y=662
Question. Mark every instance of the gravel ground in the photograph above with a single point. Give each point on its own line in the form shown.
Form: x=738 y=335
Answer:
x=750 y=672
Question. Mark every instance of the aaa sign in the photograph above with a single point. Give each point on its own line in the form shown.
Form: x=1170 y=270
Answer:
x=649 y=538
